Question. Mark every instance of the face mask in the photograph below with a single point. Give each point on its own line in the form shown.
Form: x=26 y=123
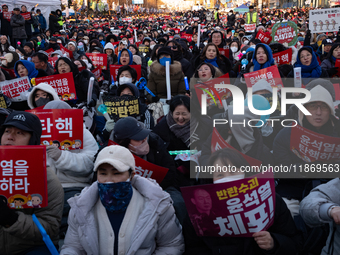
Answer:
x=42 y=101
x=145 y=31
x=230 y=178
x=163 y=61
x=99 y=31
x=80 y=47
x=205 y=43
x=266 y=130
x=86 y=41
x=152 y=46
x=58 y=41
x=245 y=42
x=204 y=30
x=242 y=25
x=115 y=197
x=140 y=150
x=233 y=49
x=241 y=35
x=124 y=80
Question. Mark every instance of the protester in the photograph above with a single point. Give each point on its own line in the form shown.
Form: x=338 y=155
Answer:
x=18 y=27
x=5 y=46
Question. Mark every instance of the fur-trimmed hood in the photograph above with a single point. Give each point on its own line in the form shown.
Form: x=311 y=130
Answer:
x=157 y=68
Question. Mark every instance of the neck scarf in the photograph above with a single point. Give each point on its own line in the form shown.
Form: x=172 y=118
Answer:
x=212 y=61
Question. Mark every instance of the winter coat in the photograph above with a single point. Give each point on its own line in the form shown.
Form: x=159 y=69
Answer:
x=53 y=23
x=6 y=28
x=187 y=68
x=24 y=234
x=223 y=63
x=81 y=82
x=42 y=21
x=231 y=20
x=284 y=232
x=74 y=168
x=327 y=64
x=18 y=27
x=157 y=80
x=314 y=211
x=156 y=229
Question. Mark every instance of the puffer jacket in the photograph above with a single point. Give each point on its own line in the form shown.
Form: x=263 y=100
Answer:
x=156 y=230
x=157 y=80
x=18 y=27
x=24 y=234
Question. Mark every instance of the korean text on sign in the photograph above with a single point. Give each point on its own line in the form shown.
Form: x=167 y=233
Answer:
x=121 y=107
x=16 y=89
x=99 y=60
x=23 y=175
x=238 y=209
x=270 y=74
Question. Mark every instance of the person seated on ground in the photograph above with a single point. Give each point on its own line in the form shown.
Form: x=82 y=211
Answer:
x=204 y=72
x=123 y=212
x=40 y=95
x=126 y=74
x=40 y=61
x=24 y=68
x=19 y=234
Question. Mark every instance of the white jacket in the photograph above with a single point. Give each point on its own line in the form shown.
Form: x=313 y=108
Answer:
x=156 y=229
x=44 y=87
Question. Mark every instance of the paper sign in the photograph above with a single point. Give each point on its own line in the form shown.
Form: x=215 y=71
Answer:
x=26 y=15
x=224 y=52
x=324 y=20
x=114 y=70
x=187 y=36
x=285 y=32
x=23 y=177
x=49 y=52
x=131 y=40
x=143 y=49
x=232 y=209
x=16 y=89
x=66 y=52
x=98 y=60
x=270 y=74
x=127 y=19
x=146 y=169
x=337 y=64
x=310 y=146
x=121 y=106
x=249 y=27
x=263 y=37
x=297 y=77
x=63 y=85
x=62 y=128
x=52 y=61
x=283 y=57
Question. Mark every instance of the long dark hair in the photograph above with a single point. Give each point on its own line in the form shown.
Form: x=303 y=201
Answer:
x=218 y=55
x=6 y=46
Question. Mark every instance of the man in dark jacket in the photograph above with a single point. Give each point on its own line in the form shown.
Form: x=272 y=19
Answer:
x=18 y=25
x=42 y=21
x=5 y=19
x=53 y=22
x=28 y=21
x=231 y=19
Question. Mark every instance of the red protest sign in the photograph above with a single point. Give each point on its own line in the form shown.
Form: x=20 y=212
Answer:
x=138 y=43
x=23 y=177
x=250 y=27
x=63 y=84
x=62 y=128
x=52 y=61
x=224 y=52
x=97 y=72
x=283 y=57
x=49 y=52
x=26 y=15
x=7 y=15
x=213 y=95
x=263 y=37
x=270 y=74
x=217 y=143
x=187 y=36
x=16 y=89
x=66 y=52
x=171 y=37
x=131 y=40
x=311 y=146
x=177 y=30
x=285 y=32
x=232 y=209
x=98 y=59
x=114 y=70
x=147 y=169
x=337 y=64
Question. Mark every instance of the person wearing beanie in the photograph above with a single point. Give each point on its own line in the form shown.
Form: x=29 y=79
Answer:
x=109 y=50
x=53 y=44
x=40 y=95
x=24 y=68
x=157 y=79
x=329 y=63
x=17 y=229
x=123 y=212
x=29 y=49
x=72 y=46
x=326 y=47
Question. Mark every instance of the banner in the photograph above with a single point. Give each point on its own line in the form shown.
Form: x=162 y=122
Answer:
x=23 y=177
x=224 y=52
x=218 y=143
x=232 y=209
x=63 y=85
x=127 y=19
x=263 y=37
x=146 y=169
x=121 y=106
x=114 y=70
x=131 y=40
x=187 y=36
x=283 y=57
x=62 y=128
x=66 y=52
x=270 y=74
x=337 y=91
x=310 y=146
x=17 y=89
x=52 y=61
x=285 y=32
x=98 y=60
x=213 y=95
x=49 y=52
x=26 y=15
x=324 y=20
x=249 y=27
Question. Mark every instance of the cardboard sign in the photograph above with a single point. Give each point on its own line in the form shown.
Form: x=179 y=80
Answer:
x=232 y=209
x=324 y=20
x=146 y=169
x=114 y=70
x=187 y=36
x=52 y=61
x=121 y=106
x=249 y=27
x=143 y=49
x=270 y=74
x=283 y=57
x=17 y=89
x=116 y=31
x=63 y=85
x=177 y=30
x=224 y=52
x=310 y=146
x=66 y=52
x=337 y=64
x=285 y=32
x=26 y=15
x=7 y=15
x=218 y=143
x=23 y=177
x=62 y=128
x=263 y=37
x=213 y=95
x=98 y=59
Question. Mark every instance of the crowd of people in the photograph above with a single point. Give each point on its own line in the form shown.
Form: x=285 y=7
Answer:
x=97 y=203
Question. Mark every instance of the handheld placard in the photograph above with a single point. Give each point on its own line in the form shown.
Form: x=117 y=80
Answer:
x=297 y=77
x=46 y=237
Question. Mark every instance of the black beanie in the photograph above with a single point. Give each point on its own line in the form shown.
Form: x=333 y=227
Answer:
x=74 y=69
x=29 y=44
x=165 y=51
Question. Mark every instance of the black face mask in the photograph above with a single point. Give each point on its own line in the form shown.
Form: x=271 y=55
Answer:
x=42 y=101
x=177 y=55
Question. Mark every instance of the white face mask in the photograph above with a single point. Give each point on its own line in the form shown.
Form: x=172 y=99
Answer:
x=152 y=46
x=145 y=31
x=124 y=80
x=230 y=178
x=245 y=42
x=233 y=49
x=205 y=43
x=204 y=30
x=86 y=41
x=99 y=31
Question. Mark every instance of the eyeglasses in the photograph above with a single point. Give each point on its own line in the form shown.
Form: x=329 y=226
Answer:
x=315 y=106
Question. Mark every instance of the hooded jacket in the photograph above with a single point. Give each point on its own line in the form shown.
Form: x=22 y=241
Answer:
x=156 y=229
x=44 y=87
x=32 y=72
x=130 y=56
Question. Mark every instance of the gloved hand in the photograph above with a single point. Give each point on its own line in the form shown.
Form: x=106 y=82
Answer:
x=7 y=216
x=110 y=124
x=92 y=103
x=332 y=71
x=53 y=152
